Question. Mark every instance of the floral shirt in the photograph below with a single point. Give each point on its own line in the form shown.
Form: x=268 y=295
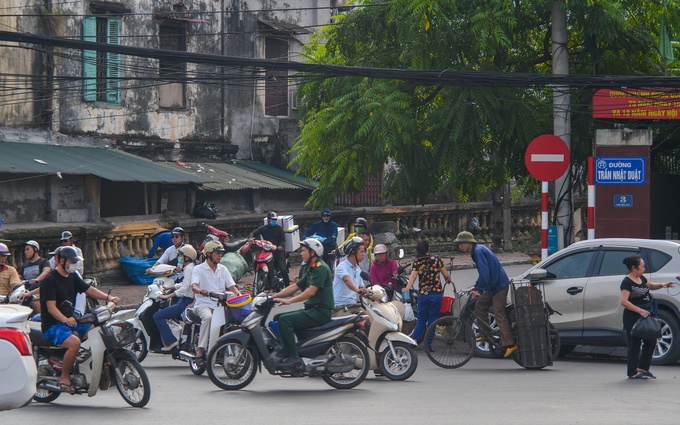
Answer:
x=428 y=269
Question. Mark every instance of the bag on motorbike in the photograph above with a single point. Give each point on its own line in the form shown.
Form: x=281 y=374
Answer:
x=647 y=328
x=409 y=316
x=235 y=263
x=205 y=209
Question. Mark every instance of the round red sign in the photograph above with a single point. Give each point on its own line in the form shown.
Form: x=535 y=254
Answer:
x=547 y=157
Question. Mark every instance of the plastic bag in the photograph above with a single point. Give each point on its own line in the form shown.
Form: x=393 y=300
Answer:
x=235 y=263
x=409 y=316
x=647 y=328
x=205 y=209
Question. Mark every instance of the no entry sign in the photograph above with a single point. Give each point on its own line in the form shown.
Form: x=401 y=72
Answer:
x=547 y=158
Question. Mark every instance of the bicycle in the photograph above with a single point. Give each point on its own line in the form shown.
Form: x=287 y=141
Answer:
x=452 y=338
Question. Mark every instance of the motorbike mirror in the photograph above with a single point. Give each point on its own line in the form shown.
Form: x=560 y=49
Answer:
x=365 y=276
x=401 y=253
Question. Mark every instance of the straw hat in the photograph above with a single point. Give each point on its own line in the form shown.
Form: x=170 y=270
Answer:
x=157 y=231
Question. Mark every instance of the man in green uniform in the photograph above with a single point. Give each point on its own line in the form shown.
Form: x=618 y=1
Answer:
x=317 y=292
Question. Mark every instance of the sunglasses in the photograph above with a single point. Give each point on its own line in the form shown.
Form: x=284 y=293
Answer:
x=64 y=241
x=177 y=236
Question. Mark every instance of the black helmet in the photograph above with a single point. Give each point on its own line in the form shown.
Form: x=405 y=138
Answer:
x=70 y=253
x=66 y=235
x=352 y=244
x=361 y=222
x=177 y=231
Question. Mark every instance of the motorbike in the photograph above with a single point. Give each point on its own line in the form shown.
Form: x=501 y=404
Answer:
x=234 y=259
x=266 y=274
x=391 y=352
x=103 y=361
x=83 y=302
x=335 y=351
x=214 y=234
x=231 y=310
x=147 y=336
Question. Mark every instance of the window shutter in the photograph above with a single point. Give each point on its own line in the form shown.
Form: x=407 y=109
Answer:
x=90 y=60
x=113 y=62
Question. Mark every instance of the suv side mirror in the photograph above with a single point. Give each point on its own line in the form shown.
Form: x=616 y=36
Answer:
x=537 y=274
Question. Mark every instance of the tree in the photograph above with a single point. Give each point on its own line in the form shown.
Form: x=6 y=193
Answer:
x=462 y=140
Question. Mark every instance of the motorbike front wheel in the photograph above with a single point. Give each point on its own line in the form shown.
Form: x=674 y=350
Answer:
x=132 y=382
x=260 y=283
x=352 y=350
x=400 y=365
x=231 y=366
x=138 y=346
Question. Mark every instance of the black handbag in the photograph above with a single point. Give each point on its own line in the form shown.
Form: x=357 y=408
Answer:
x=647 y=328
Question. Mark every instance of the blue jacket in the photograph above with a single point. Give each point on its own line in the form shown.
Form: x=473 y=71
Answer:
x=328 y=230
x=162 y=240
x=492 y=277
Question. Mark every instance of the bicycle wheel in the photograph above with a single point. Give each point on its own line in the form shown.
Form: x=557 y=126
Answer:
x=453 y=342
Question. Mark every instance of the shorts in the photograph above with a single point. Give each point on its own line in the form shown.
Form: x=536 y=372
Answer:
x=58 y=333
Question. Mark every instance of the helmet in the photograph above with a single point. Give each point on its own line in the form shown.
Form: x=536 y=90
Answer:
x=34 y=244
x=326 y=211
x=465 y=237
x=188 y=251
x=378 y=293
x=212 y=246
x=380 y=249
x=56 y=251
x=177 y=231
x=66 y=235
x=352 y=244
x=361 y=222
x=314 y=245
x=273 y=216
x=14 y=296
x=4 y=250
x=70 y=254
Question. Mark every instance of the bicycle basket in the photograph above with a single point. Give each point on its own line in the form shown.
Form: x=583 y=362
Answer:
x=118 y=334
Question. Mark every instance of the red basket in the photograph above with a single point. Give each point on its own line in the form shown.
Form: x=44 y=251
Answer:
x=447 y=305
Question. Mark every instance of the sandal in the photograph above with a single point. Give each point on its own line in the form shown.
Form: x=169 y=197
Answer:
x=639 y=375
x=647 y=375
x=68 y=388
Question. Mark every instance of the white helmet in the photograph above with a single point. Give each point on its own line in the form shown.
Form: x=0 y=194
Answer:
x=188 y=251
x=314 y=245
x=14 y=296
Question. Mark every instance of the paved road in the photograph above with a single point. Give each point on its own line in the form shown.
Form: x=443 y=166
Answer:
x=486 y=391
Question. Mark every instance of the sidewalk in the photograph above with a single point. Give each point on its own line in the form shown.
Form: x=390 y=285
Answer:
x=131 y=295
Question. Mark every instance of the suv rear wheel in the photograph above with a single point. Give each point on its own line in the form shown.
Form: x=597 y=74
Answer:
x=668 y=346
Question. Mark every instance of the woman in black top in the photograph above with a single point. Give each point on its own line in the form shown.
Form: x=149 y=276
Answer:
x=637 y=300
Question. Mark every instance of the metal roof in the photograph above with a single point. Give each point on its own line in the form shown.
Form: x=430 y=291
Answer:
x=231 y=176
x=109 y=164
x=277 y=173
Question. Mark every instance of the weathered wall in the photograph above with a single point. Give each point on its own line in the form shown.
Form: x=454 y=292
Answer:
x=23 y=197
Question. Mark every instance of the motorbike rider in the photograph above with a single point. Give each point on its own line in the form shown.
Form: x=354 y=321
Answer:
x=170 y=256
x=491 y=287
x=34 y=270
x=209 y=276
x=317 y=293
x=274 y=234
x=9 y=278
x=347 y=282
x=384 y=270
x=57 y=298
x=67 y=240
x=328 y=230
x=162 y=238
x=185 y=297
x=361 y=230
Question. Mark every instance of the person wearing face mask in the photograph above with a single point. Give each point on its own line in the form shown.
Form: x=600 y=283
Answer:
x=327 y=230
x=273 y=233
x=57 y=298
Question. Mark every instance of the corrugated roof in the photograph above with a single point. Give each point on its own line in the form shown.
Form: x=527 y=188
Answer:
x=230 y=176
x=285 y=27
x=109 y=164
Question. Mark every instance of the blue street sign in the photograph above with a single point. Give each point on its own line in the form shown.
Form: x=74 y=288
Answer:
x=623 y=201
x=620 y=170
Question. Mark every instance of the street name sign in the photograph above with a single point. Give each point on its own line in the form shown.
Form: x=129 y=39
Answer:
x=620 y=170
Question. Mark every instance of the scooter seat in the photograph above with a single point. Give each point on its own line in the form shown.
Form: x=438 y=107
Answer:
x=333 y=323
x=192 y=316
x=39 y=339
x=234 y=245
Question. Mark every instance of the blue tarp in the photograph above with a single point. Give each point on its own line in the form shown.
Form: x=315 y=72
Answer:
x=135 y=269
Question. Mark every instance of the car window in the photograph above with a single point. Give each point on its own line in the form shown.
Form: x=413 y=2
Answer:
x=612 y=262
x=657 y=260
x=571 y=266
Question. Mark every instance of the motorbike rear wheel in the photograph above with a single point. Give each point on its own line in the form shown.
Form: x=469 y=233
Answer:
x=44 y=371
x=261 y=279
x=232 y=366
x=351 y=347
x=402 y=364
x=139 y=346
x=132 y=382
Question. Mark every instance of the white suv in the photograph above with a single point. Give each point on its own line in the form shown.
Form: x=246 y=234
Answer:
x=18 y=373
x=583 y=284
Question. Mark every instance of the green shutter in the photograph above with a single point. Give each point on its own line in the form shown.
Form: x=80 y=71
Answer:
x=90 y=60
x=113 y=62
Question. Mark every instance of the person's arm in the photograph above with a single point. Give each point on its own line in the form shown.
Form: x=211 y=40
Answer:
x=310 y=231
x=97 y=294
x=445 y=273
x=44 y=272
x=58 y=316
x=358 y=288
x=411 y=280
x=305 y=295
x=623 y=299
x=484 y=273
x=655 y=286
x=256 y=232
x=154 y=248
x=286 y=292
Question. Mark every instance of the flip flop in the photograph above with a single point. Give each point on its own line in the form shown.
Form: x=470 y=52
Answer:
x=67 y=388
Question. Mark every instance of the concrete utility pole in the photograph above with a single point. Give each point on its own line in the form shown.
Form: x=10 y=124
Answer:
x=562 y=117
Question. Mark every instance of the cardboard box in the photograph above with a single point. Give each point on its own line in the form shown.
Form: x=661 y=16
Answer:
x=292 y=238
x=341 y=235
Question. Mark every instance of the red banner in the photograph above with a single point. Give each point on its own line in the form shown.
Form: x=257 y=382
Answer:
x=634 y=104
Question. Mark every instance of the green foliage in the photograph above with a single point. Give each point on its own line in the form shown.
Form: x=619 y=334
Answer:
x=461 y=140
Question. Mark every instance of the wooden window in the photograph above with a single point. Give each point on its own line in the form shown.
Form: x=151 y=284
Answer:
x=101 y=70
x=276 y=82
x=172 y=73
